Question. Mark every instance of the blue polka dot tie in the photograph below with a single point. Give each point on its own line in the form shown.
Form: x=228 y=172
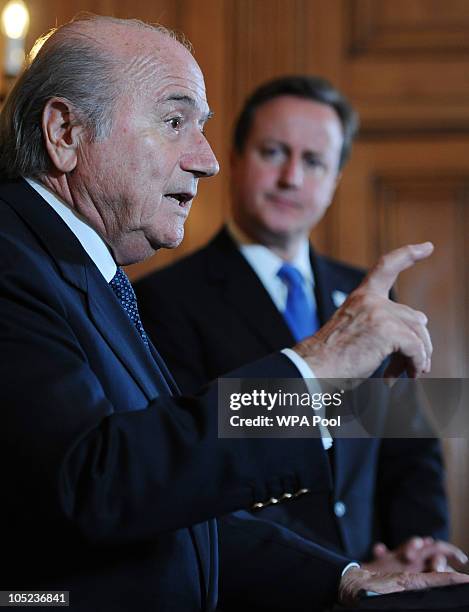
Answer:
x=299 y=314
x=124 y=292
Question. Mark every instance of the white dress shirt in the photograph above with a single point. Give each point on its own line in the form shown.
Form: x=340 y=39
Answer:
x=88 y=237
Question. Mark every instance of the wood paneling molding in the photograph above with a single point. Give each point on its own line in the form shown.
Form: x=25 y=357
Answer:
x=407 y=64
x=373 y=30
x=417 y=207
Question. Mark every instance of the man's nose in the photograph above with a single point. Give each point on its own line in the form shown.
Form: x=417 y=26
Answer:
x=291 y=173
x=201 y=161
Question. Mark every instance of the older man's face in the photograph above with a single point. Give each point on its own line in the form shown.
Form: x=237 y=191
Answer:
x=143 y=178
x=285 y=178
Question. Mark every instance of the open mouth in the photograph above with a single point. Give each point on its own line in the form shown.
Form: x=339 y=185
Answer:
x=181 y=198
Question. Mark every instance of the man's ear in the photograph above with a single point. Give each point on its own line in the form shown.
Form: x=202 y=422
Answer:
x=62 y=133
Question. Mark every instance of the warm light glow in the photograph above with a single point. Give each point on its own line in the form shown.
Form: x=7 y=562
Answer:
x=15 y=19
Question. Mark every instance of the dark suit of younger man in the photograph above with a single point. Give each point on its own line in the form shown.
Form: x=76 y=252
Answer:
x=391 y=489
x=108 y=481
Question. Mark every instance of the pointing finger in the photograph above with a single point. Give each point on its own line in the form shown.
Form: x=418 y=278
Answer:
x=383 y=276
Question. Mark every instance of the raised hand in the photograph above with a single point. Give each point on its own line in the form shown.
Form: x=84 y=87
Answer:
x=369 y=327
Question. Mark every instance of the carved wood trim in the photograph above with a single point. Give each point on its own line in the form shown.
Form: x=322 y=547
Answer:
x=370 y=36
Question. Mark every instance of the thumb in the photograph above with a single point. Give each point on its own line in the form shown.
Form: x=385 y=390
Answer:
x=383 y=276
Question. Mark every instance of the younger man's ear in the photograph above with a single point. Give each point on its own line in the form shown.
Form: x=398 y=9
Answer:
x=62 y=134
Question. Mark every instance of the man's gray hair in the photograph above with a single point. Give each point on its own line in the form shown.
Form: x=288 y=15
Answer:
x=65 y=63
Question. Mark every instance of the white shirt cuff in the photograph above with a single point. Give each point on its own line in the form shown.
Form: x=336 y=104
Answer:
x=304 y=369
x=313 y=387
x=349 y=566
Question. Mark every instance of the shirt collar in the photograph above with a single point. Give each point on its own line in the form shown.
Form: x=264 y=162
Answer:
x=88 y=237
x=265 y=262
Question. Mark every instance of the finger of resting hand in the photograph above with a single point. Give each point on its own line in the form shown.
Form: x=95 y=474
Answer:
x=431 y=579
x=392 y=583
x=440 y=548
x=383 y=276
x=437 y=563
x=384 y=583
x=380 y=550
x=450 y=551
x=410 y=549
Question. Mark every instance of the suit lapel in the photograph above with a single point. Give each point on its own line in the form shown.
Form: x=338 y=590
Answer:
x=235 y=279
x=78 y=270
x=323 y=288
x=114 y=325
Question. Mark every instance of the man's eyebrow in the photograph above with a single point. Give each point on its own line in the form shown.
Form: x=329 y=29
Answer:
x=190 y=101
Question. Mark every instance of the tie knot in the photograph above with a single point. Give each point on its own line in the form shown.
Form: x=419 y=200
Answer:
x=290 y=275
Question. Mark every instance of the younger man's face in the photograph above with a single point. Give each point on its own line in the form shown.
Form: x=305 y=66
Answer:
x=285 y=178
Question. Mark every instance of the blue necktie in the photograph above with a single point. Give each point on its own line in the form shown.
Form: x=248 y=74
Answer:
x=299 y=314
x=124 y=292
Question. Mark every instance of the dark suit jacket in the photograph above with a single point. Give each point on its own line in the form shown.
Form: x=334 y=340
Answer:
x=224 y=318
x=107 y=480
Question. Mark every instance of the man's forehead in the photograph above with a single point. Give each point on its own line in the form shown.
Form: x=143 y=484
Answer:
x=167 y=70
x=289 y=115
x=124 y=38
x=289 y=107
x=151 y=61
x=145 y=53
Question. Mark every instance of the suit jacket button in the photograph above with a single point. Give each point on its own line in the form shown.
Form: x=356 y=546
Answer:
x=287 y=496
x=340 y=509
x=273 y=500
x=301 y=492
x=258 y=506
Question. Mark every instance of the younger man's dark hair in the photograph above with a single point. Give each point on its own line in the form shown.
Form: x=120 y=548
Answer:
x=301 y=86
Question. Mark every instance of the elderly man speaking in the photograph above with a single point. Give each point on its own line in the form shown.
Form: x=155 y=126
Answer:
x=110 y=482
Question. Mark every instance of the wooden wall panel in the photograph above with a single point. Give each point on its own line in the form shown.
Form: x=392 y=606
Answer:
x=417 y=208
x=426 y=207
x=402 y=191
x=400 y=26
x=421 y=195
x=269 y=39
x=407 y=63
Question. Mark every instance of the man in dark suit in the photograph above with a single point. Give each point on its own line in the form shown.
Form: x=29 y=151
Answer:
x=109 y=481
x=230 y=304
